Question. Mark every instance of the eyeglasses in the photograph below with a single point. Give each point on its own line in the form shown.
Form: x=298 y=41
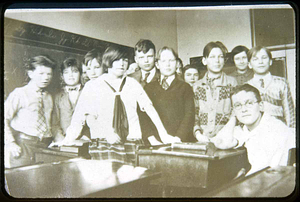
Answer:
x=248 y=104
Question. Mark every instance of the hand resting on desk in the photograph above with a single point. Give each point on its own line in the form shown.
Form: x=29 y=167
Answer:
x=68 y=143
x=166 y=139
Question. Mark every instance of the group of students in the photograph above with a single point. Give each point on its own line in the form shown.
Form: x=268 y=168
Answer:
x=153 y=101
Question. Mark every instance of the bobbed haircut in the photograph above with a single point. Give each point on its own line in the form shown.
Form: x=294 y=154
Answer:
x=247 y=88
x=180 y=62
x=70 y=62
x=41 y=60
x=253 y=51
x=237 y=50
x=111 y=54
x=211 y=45
x=187 y=67
x=94 y=53
x=144 y=45
x=166 y=48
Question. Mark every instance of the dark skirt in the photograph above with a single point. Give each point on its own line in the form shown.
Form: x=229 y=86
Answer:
x=123 y=153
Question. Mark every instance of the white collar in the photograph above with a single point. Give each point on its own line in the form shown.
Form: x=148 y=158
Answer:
x=33 y=87
x=267 y=79
x=151 y=75
x=263 y=123
x=169 y=79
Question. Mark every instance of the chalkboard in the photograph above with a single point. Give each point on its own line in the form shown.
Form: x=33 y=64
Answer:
x=24 y=40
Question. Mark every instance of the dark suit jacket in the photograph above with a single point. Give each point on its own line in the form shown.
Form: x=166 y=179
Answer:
x=175 y=107
x=138 y=76
x=143 y=117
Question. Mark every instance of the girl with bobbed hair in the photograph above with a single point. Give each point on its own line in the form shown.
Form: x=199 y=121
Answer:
x=109 y=106
x=242 y=73
x=212 y=93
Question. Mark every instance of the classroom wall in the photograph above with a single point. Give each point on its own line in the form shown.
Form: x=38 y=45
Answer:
x=197 y=28
x=122 y=27
x=187 y=31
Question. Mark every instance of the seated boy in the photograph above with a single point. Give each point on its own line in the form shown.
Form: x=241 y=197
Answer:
x=266 y=138
x=172 y=98
x=27 y=115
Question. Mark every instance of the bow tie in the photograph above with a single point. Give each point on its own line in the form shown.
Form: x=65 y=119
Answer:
x=72 y=89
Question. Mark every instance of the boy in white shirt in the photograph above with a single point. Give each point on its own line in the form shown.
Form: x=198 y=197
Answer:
x=27 y=115
x=266 y=138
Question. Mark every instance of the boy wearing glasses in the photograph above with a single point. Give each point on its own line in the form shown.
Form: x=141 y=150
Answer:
x=266 y=138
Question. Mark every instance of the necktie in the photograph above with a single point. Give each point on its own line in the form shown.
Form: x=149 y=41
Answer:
x=42 y=126
x=211 y=84
x=262 y=84
x=164 y=83
x=120 y=121
x=146 y=76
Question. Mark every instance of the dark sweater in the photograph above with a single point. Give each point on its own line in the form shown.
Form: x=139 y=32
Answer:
x=175 y=107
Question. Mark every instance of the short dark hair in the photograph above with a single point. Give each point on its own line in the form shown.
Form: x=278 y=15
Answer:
x=111 y=54
x=94 y=53
x=70 y=62
x=248 y=88
x=253 y=51
x=169 y=49
x=192 y=66
x=180 y=62
x=211 y=45
x=237 y=50
x=144 y=45
x=41 y=60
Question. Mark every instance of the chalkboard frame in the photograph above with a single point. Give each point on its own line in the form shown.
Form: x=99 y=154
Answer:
x=23 y=40
x=21 y=32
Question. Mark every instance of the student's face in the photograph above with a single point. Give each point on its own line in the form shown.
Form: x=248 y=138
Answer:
x=93 y=69
x=71 y=76
x=248 y=115
x=119 y=67
x=191 y=76
x=41 y=76
x=179 y=68
x=167 y=63
x=260 y=62
x=145 y=61
x=84 y=75
x=215 y=60
x=241 y=60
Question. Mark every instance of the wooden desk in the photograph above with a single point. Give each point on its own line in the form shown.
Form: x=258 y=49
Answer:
x=49 y=155
x=79 y=178
x=192 y=168
x=269 y=182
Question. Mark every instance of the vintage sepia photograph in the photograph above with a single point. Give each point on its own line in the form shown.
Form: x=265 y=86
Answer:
x=149 y=101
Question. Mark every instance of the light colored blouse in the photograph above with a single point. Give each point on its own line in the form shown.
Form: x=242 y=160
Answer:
x=96 y=107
